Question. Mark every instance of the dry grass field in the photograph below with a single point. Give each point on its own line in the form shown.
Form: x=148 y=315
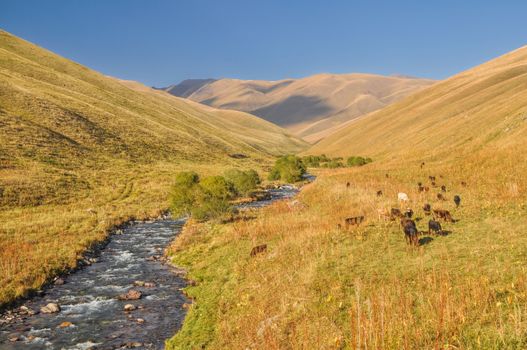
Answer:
x=81 y=152
x=324 y=287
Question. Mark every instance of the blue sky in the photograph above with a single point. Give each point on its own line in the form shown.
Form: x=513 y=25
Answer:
x=161 y=42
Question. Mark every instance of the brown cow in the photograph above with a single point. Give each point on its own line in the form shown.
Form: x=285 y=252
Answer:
x=395 y=213
x=354 y=221
x=379 y=193
x=443 y=214
x=440 y=197
x=262 y=248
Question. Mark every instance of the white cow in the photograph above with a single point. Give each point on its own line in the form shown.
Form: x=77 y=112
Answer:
x=403 y=197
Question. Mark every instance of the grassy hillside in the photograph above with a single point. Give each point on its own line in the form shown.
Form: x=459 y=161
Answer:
x=311 y=107
x=82 y=152
x=483 y=107
x=328 y=287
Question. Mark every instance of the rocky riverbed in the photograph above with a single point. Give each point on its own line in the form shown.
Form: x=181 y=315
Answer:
x=127 y=297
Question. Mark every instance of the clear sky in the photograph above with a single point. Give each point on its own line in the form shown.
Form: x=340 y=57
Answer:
x=162 y=42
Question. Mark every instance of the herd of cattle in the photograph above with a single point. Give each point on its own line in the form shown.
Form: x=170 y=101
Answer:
x=406 y=217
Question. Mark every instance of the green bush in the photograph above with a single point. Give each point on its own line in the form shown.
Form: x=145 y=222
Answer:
x=203 y=199
x=333 y=164
x=244 y=181
x=358 y=161
x=183 y=193
x=288 y=168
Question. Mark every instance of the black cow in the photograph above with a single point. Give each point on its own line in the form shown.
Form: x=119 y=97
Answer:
x=411 y=234
x=457 y=200
x=435 y=227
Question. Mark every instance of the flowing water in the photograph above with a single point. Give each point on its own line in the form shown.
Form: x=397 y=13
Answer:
x=91 y=316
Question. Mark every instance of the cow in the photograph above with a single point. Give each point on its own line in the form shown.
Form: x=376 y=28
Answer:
x=402 y=197
x=427 y=209
x=395 y=213
x=379 y=193
x=262 y=248
x=427 y=188
x=443 y=188
x=422 y=165
x=433 y=183
x=440 y=197
x=432 y=178
x=463 y=183
x=409 y=213
x=457 y=200
x=348 y=185
x=356 y=220
x=420 y=188
x=411 y=234
x=443 y=214
x=435 y=227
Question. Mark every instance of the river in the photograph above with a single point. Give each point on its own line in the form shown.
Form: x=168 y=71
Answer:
x=92 y=317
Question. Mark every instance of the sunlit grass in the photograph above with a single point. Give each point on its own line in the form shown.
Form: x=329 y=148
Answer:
x=323 y=287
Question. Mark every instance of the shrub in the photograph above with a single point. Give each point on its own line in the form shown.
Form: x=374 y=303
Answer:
x=334 y=163
x=358 y=161
x=183 y=193
x=244 y=181
x=202 y=199
x=288 y=168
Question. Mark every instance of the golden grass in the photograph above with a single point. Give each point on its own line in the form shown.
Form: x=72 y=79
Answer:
x=328 y=288
x=484 y=107
x=81 y=152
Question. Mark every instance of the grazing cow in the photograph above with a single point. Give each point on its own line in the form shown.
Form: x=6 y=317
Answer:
x=409 y=213
x=443 y=188
x=419 y=184
x=427 y=209
x=259 y=249
x=379 y=193
x=402 y=197
x=422 y=165
x=435 y=227
x=356 y=220
x=463 y=183
x=457 y=200
x=411 y=234
x=433 y=183
x=432 y=178
x=427 y=188
x=440 y=197
x=421 y=189
x=395 y=213
x=443 y=214
x=348 y=185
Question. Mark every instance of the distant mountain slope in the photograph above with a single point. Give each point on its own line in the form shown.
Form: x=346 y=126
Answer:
x=312 y=107
x=481 y=108
x=55 y=113
x=187 y=87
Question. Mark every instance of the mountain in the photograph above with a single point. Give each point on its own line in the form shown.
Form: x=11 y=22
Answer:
x=187 y=87
x=484 y=108
x=311 y=107
x=82 y=152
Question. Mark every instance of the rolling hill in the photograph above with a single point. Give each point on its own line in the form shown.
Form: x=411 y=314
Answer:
x=82 y=152
x=312 y=107
x=481 y=108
